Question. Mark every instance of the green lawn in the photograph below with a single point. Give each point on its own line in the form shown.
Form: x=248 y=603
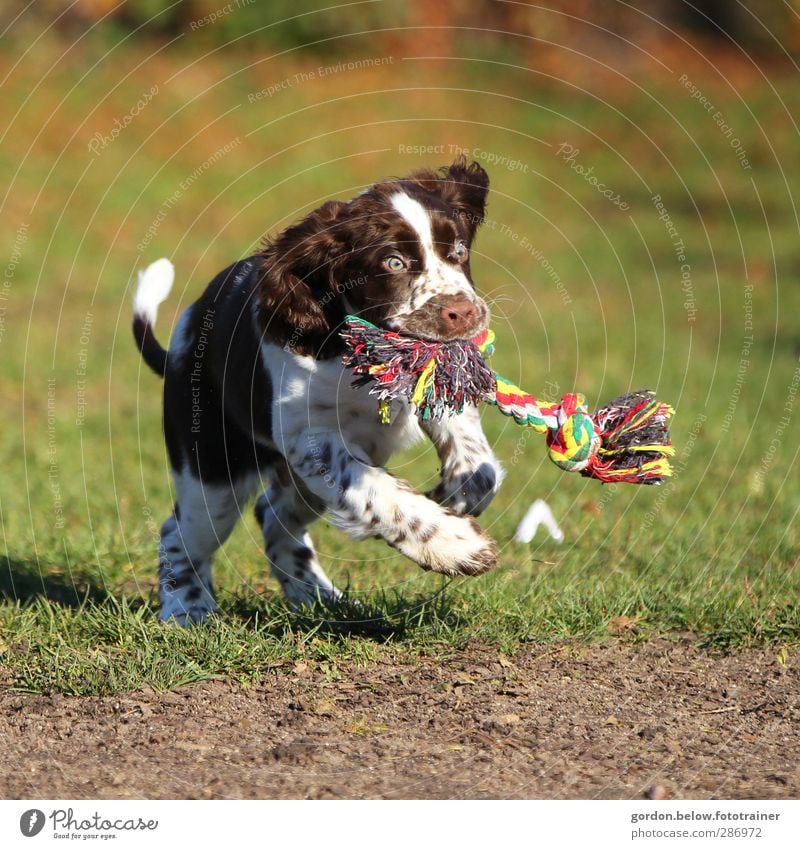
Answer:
x=588 y=294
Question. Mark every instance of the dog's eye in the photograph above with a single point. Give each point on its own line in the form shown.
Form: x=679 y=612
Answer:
x=460 y=251
x=394 y=263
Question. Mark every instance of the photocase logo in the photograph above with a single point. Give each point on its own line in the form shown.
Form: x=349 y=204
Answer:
x=31 y=822
x=66 y=825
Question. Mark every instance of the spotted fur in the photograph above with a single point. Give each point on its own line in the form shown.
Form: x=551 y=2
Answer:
x=256 y=398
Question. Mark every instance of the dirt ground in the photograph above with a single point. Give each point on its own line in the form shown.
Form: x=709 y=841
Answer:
x=662 y=720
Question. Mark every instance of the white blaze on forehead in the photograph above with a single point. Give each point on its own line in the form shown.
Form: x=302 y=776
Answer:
x=437 y=277
x=417 y=216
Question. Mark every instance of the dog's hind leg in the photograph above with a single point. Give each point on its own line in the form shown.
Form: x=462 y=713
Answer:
x=204 y=516
x=284 y=514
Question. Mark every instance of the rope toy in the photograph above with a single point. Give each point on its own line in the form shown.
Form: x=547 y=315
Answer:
x=627 y=441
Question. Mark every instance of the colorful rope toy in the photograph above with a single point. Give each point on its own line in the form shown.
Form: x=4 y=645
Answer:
x=627 y=441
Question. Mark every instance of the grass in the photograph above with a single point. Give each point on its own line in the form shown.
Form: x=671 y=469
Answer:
x=600 y=308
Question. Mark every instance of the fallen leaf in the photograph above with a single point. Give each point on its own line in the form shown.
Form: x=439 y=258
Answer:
x=621 y=625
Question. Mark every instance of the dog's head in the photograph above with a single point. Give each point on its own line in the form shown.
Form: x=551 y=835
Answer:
x=396 y=255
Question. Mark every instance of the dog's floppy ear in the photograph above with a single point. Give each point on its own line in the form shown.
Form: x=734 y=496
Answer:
x=461 y=186
x=465 y=188
x=295 y=290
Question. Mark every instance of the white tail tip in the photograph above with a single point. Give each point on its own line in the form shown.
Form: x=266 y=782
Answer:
x=154 y=285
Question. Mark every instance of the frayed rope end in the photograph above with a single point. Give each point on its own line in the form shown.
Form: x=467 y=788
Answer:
x=626 y=441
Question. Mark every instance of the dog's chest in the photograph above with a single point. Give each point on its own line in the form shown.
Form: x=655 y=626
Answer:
x=318 y=396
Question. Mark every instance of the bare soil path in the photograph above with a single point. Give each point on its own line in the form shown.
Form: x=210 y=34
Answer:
x=617 y=720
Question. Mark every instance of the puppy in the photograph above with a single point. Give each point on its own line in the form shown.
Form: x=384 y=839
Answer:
x=255 y=390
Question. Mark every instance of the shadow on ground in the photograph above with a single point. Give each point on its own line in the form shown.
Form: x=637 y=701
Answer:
x=25 y=581
x=382 y=618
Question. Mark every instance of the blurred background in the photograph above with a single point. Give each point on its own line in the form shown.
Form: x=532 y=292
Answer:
x=642 y=232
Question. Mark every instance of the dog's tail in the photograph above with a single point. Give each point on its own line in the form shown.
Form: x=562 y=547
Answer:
x=154 y=285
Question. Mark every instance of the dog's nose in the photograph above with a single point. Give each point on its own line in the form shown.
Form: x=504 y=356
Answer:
x=459 y=316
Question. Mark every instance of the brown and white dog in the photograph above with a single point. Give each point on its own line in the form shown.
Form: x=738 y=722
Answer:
x=254 y=389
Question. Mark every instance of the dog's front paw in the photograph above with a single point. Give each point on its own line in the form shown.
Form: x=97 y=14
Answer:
x=454 y=545
x=481 y=558
x=469 y=492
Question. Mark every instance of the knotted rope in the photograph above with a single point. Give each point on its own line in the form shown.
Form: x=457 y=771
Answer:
x=625 y=441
